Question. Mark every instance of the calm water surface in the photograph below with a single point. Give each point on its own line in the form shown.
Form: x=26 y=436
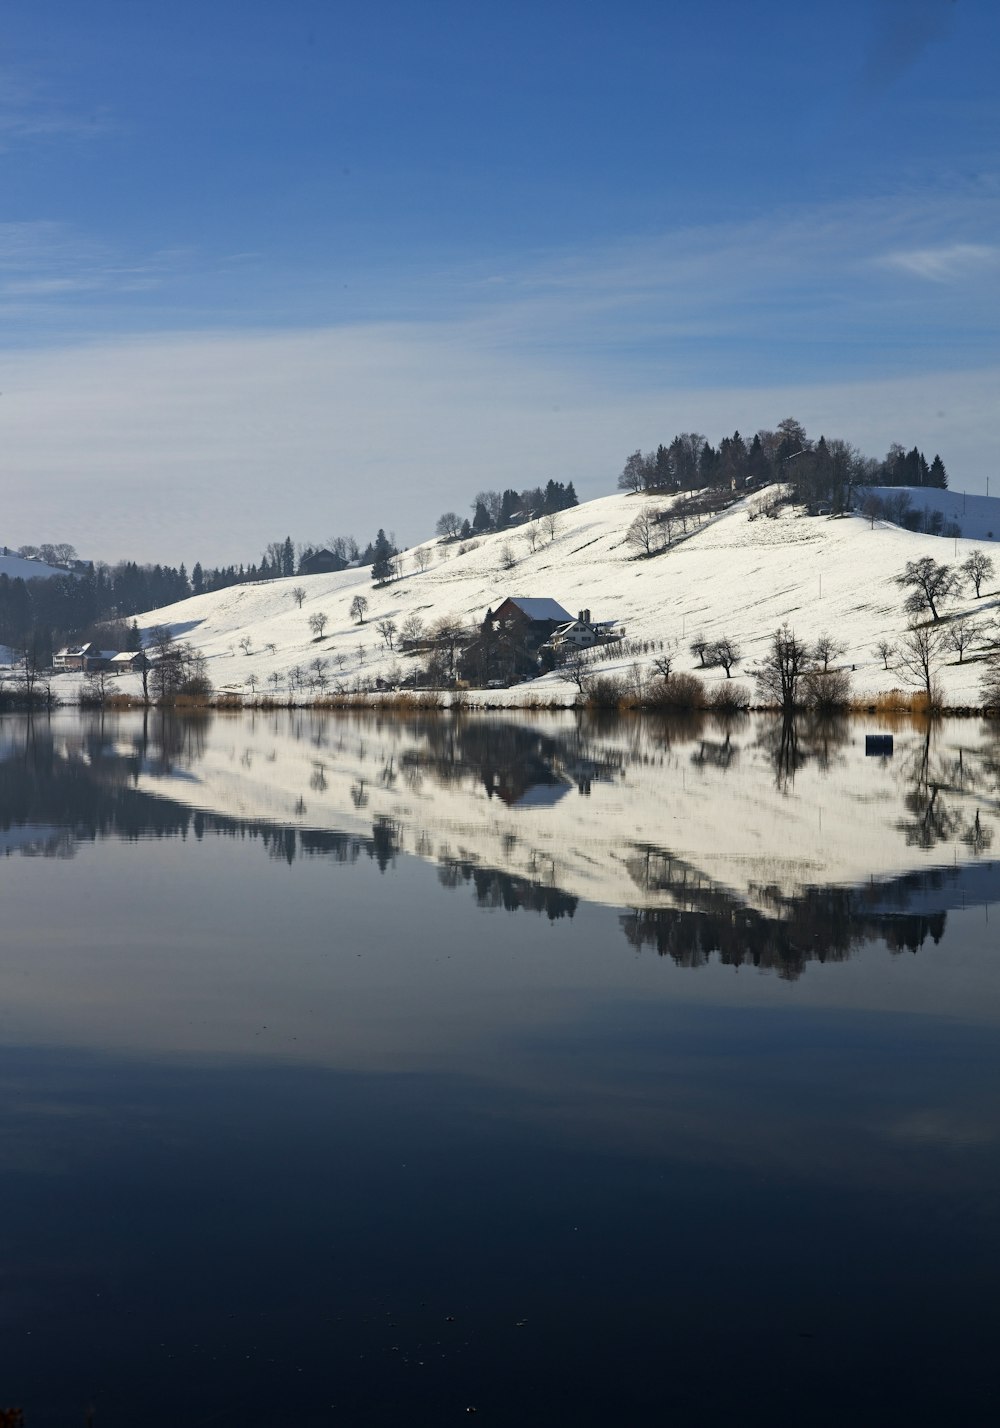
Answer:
x=360 y=1071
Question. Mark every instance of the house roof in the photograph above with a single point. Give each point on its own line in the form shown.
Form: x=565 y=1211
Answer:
x=541 y=609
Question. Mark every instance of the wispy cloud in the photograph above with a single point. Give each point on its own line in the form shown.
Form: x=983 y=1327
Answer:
x=29 y=112
x=45 y=261
x=950 y=263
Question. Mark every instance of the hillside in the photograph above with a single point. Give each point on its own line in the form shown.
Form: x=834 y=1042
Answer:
x=16 y=567
x=977 y=517
x=734 y=576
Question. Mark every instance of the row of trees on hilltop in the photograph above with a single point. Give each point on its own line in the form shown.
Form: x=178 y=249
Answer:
x=499 y=510
x=821 y=471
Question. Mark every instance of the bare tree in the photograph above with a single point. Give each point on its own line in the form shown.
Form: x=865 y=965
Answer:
x=664 y=664
x=919 y=657
x=550 y=524
x=387 y=629
x=827 y=648
x=507 y=557
x=782 y=669
x=447 y=634
x=644 y=535
x=871 y=508
x=412 y=628
x=635 y=472
x=959 y=637
x=318 y=623
x=422 y=558
x=699 y=646
x=246 y=644
x=359 y=608
x=725 y=652
x=977 y=568
x=274 y=680
x=449 y=526
x=884 y=651
x=251 y=682
x=298 y=595
x=577 y=671
x=97 y=686
x=531 y=536
x=318 y=668
x=929 y=582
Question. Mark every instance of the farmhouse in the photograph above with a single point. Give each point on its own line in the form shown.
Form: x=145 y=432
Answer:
x=583 y=632
x=84 y=657
x=321 y=562
x=509 y=639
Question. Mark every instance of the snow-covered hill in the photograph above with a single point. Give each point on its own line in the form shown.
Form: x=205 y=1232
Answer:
x=977 y=517
x=735 y=576
x=18 y=568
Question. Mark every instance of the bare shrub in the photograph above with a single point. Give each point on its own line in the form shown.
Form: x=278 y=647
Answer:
x=826 y=690
x=680 y=691
x=606 y=691
x=729 y=698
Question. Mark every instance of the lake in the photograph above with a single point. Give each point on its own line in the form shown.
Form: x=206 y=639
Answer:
x=536 y=1070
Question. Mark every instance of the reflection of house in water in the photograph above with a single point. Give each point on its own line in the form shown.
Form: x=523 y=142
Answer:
x=528 y=784
x=516 y=763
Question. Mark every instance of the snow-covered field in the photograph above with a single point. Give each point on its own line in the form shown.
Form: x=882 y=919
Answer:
x=735 y=576
x=17 y=568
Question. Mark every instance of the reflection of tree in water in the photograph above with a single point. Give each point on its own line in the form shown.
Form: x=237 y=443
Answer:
x=817 y=925
x=936 y=782
x=792 y=742
x=825 y=925
x=84 y=783
x=715 y=753
x=493 y=888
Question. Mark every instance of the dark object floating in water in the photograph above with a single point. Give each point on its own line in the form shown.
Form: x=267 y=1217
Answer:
x=878 y=744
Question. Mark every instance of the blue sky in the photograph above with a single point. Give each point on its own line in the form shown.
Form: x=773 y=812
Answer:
x=313 y=268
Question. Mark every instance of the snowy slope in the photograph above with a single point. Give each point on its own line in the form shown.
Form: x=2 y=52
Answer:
x=977 y=517
x=17 y=568
x=734 y=576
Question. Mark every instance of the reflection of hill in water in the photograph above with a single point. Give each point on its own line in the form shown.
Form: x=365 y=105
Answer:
x=791 y=846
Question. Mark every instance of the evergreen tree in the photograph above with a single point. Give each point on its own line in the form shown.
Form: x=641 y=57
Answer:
x=510 y=505
x=937 y=476
x=288 y=557
x=382 y=558
x=663 y=473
